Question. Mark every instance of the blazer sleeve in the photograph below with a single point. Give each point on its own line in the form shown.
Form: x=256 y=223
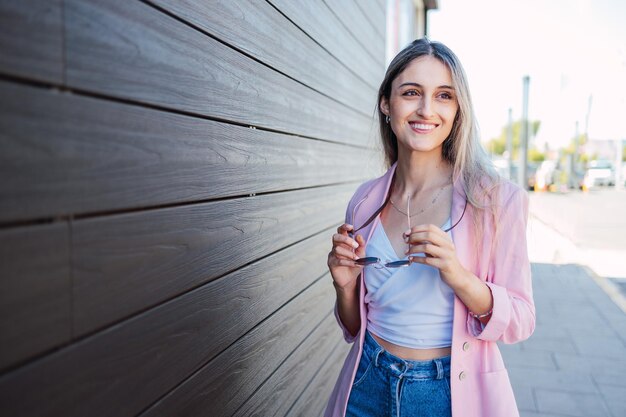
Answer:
x=509 y=277
x=346 y=334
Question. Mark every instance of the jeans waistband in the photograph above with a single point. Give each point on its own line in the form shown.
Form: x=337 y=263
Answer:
x=396 y=366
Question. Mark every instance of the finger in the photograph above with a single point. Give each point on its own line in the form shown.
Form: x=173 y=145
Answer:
x=344 y=229
x=342 y=252
x=347 y=262
x=424 y=260
x=360 y=251
x=344 y=239
x=428 y=249
x=343 y=262
x=427 y=227
x=438 y=237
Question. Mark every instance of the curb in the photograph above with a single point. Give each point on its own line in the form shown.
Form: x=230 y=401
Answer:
x=609 y=288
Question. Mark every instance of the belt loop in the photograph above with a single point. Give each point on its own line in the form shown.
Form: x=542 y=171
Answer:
x=406 y=368
x=440 y=373
x=377 y=354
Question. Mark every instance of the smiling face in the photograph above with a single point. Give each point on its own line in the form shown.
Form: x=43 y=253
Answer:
x=422 y=106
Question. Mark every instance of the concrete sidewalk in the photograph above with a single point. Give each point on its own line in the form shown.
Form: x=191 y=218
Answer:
x=575 y=362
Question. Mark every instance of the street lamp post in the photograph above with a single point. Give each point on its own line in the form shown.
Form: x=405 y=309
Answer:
x=523 y=169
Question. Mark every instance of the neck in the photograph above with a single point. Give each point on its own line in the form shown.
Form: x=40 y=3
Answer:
x=417 y=171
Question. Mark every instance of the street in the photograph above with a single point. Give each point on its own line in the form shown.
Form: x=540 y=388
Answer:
x=573 y=364
x=587 y=228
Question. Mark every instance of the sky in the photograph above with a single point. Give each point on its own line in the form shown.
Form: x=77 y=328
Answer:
x=570 y=49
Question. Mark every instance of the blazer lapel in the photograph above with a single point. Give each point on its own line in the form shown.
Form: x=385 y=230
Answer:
x=371 y=202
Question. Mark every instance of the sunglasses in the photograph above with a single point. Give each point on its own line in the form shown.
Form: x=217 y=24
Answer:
x=377 y=262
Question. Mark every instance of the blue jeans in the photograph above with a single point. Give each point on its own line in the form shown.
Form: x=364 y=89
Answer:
x=386 y=385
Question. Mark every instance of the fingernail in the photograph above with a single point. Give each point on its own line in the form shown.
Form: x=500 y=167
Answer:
x=406 y=239
x=355 y=245
x=407 y=232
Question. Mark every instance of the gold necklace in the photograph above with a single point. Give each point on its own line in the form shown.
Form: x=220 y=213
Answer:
x=432 y=203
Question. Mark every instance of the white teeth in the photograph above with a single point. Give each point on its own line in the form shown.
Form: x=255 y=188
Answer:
x=422 y=126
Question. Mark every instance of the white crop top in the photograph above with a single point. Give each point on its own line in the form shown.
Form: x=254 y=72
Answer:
x=408 y=306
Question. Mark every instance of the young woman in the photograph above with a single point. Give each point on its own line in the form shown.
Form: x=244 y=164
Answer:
x=431 y=266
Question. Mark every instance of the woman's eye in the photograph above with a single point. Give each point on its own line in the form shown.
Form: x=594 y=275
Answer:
x=446 y=96
x=410 y=93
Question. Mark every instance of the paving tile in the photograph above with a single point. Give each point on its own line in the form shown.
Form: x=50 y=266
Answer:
x=610 y=379
x=571 y=404
x=591 y=329
x=525 y=399
x=615 y=398
x=542 y=332
x=572 y=381
x=573 y=364
x=529 y=359
x=526 y=413
x=551 y=344
x=602 y=346
x=589 y=364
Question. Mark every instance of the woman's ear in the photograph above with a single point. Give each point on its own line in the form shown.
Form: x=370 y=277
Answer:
x=384 y=106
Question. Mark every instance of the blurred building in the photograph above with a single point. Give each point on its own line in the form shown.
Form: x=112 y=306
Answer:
x=406 y=20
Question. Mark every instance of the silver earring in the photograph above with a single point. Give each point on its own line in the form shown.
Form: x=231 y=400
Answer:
x=387 y=119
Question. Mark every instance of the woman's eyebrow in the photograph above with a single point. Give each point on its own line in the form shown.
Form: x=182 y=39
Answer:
x=420 y=86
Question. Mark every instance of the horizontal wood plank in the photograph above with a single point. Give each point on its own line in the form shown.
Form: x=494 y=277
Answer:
x=35 y=291
x=313 y=401
x=226 y=382
x=31 y=44
x=126 y=263
x=376 y=14
x=133 y=51
x=127 y=367
x=315 y=17
x=263 y=32
x=360 y=27
x=65 y=154
x=281 y=390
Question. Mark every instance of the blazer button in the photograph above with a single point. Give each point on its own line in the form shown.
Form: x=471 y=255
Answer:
x=462 y=376
x=466 y=346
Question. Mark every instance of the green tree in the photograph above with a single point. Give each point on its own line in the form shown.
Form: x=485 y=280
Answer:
x=535 y=155
x=497 y=145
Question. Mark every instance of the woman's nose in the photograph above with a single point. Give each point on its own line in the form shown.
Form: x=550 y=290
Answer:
x=425 y=108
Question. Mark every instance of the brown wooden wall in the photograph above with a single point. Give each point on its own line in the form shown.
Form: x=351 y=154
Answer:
x=171 y=172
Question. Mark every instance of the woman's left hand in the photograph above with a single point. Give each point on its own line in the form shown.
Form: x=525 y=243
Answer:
x=439 y=250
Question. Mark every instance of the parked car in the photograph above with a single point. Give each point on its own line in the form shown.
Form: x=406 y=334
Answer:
x=502 y=167
x=599 y=173
x=545 y=175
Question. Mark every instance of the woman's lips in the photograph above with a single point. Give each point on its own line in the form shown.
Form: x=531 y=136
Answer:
x=422 y=127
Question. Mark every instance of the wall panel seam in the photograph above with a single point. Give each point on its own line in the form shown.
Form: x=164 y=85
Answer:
x=147 y=209
x=96 y=331
x=330 y=354
x=132 y=102
x=63 y=45
x=216 y=356
x=306 y=338
x=351 y=33
x=246 y=54
x=321 y=46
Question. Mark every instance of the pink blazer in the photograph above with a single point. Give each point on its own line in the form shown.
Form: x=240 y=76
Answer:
x=480 y=385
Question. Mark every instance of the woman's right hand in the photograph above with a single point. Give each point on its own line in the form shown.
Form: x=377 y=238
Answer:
x=342 y=256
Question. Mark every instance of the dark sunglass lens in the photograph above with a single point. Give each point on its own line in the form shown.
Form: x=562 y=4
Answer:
x=398 y=264
x=367 y=261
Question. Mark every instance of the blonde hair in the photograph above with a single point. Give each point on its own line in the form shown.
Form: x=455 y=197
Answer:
x=462 y=148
